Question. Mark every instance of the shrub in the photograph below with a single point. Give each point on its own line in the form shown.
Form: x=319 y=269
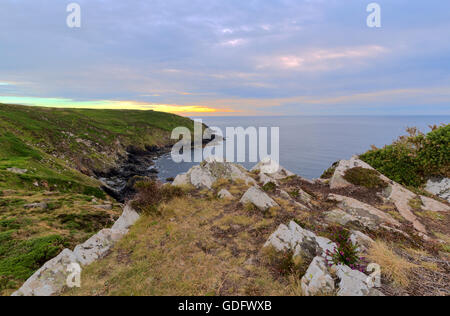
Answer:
x=365 y=177
x=151 y=193
x=412 y=159
x=330 y=171
x=346 y=252
x=269 y=187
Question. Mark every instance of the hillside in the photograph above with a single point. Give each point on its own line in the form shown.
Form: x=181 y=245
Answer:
x=220 y=229
x=258 y=233
x=49 y=161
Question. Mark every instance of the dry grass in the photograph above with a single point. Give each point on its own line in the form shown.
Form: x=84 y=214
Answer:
x=195 y=247
x=394 y=267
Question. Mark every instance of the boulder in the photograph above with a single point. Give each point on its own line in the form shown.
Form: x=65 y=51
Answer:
x=301 y=241
x=211 y=170
x=338 y=216
x=128 y=218
x=201 y=177
x=97 y=246
x=317 y=279
x=181 y=179
x=272 y=169
x=51 y=278
x=353 y=283
x=258 y=198
x=439 y=187
x=366 y=214
x=264 y=179
x=433 y=205
x=337 y=180
x=225 y=194
x=361 y=240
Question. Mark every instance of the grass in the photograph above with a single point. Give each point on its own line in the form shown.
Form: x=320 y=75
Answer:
x=393 y=267
x=61 y=149
x=194 y=245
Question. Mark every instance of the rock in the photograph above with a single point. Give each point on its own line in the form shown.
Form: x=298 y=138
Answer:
x=353 y=283
x=301 y=241
x=338 y=216
x=361 y=240
x=17 y=170
x=181 y=179
x=317 y=279
x=433 y=205
x=225 y=194
x=97 y=246
x=128 y=218
x=272 y=169
x=401 y=198
x=41 y=205
x=287 y=196
x=106 y=207
x=439 y=187
x=366 y=214
x=51 y=278
x=211 y=170
x=264 y=179
x=337 y=180
x=258 y=198
x=201 y=177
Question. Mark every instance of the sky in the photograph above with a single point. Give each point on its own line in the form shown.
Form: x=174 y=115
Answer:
x=229 y=57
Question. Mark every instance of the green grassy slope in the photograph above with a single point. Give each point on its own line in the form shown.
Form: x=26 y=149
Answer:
x=53 y=146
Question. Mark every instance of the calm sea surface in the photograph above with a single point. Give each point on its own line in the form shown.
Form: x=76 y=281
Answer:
x=309 y=145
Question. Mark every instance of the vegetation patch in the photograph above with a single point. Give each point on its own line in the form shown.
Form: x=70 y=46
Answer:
x=366 y=178
x=19 y=259
x=346 y=252
x=270 y=187
x=151 y=193
x=394 y=267
x=413 y=159
x=330 y=171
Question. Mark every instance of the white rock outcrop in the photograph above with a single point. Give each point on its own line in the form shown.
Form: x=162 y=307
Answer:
x=439 y=187
x=272 y=169
x=337 y=181
x=317 y=279
x=366 y=214
x=129 y=218
x=353 y=283
x=97 y=246
x=208 y=172
x=51 y=278
x=301 y=241
x=257 y=197
x=433 y=205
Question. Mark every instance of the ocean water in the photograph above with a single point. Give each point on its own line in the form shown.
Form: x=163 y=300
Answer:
x=309 y=145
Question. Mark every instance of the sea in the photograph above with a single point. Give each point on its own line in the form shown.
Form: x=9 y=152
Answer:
x=308 y=145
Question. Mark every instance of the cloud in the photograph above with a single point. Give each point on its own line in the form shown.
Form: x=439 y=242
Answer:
x=254 y=57
x=323 y=59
